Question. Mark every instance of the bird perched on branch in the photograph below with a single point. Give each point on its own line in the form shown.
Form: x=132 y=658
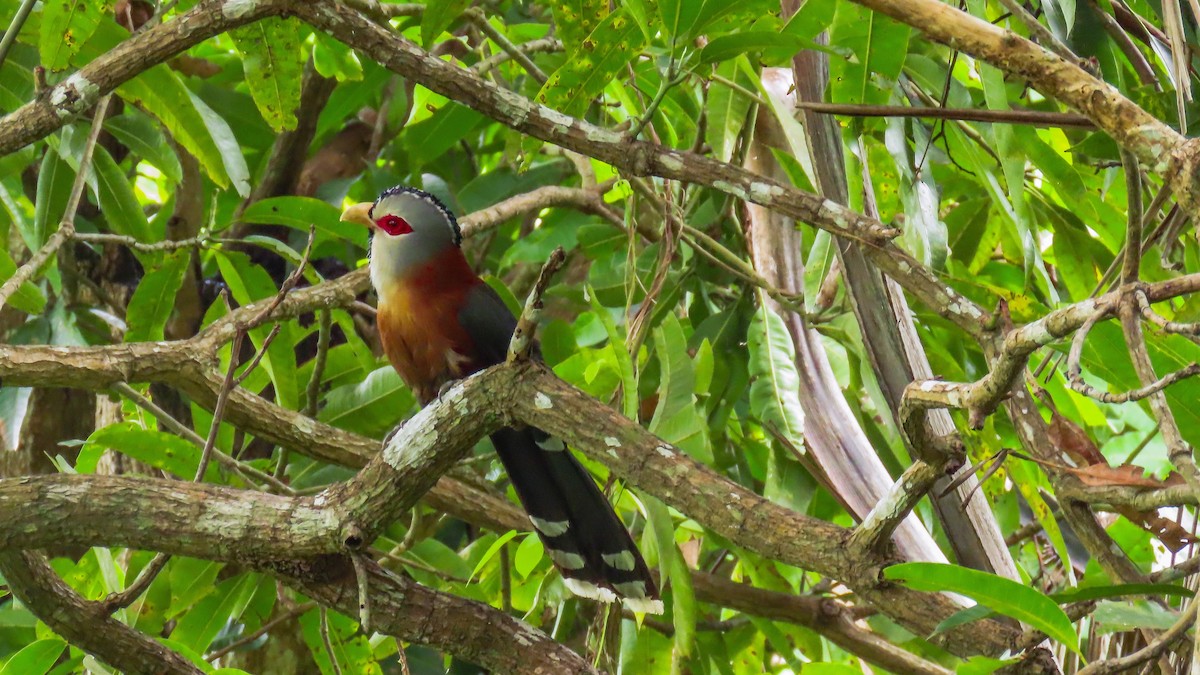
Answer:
x=438 y=322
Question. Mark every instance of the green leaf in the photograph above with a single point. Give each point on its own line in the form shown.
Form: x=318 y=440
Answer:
x=55 y=177
x=35 y=658
x=438 y=16
x=432 y=138
x=370 y=407
x=616 y=340
x=66 y=26
x=588 y=70
x=529 y=553
x=118 y=202
x=334 y=59
x=158 y=449
x=774 y=392
x=227 y=144
x=201 y=624
x=28 y=298
x=1025 y=479
x=1120 y=590
x=492 y=551
x=727 y=109
x=678 y=18
x=574 y=20
x=726 y=47
x=879 y=45
x=301 y=212
x=270 y=50
x=144 y=138
x=154 y=298
x=1002 y=595
x=161 y=92
x=1117 y=617
x=191 y=579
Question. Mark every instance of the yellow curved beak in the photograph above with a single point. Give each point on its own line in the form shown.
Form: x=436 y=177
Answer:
x=359 y=213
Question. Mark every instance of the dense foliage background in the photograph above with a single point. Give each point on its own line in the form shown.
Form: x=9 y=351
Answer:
x=736 y=335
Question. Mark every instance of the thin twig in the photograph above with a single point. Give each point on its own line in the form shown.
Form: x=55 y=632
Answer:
x=337 y=669
x=10 y=35
x=219 y=408
x=245 y=471
x=125 y=240
x=288 y=284
x=1038 y=118
x=66 y=227
x=476 y=16
x=1133 y=231
x=521 y=344
x=125 y=598
x=532 y=47
x=258 y=355
x=266 y=628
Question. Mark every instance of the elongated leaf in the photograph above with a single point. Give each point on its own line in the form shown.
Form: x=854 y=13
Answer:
x=492 y=551
x=227 y=144
x=774 y=391
x=587 y=71
x=35 y=658
x=1121 y=590
x=66 y=26
x=880 y=45
x=202 y=622
x=1003 y=595
x=154 y=298
x=370 y=407
x=727 y=109
x=728 y=46
x=438 y=16
x=300 y=212
x=53 y=188
x=1114 y=617
x=616 y=340
x=162 y=94
x=145 y=139
x=120 y=205
x=270 y=50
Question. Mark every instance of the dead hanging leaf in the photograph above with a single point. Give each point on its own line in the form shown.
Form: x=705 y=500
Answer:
x=1126 y=475
x=1169 y=532
x=1071 y=439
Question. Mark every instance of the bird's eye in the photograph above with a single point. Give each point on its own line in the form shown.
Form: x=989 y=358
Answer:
x=394 y=225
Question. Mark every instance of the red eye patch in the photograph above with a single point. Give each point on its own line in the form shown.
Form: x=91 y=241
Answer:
x=394 y=225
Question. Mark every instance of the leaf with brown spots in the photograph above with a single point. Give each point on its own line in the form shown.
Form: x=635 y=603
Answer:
x=66 y=25
x=589 y=69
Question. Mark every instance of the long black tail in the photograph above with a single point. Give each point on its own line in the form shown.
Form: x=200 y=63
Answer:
x=581 y=532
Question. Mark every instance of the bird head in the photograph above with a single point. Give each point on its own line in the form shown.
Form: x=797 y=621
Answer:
x=409 y=228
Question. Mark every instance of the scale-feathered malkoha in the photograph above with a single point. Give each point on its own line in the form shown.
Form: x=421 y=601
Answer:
x=438 y=322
